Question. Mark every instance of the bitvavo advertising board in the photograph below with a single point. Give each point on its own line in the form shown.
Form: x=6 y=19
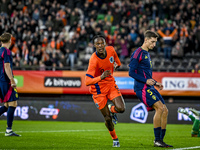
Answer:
x=87 y=111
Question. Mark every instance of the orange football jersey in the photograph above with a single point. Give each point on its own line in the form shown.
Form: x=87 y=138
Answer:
x=97 y=66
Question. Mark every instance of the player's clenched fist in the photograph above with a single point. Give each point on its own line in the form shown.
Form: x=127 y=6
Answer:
x=150 y=81
x=105 y=74
x=159 y=85
x=13 y=84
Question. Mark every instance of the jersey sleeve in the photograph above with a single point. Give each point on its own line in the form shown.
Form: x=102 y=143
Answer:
x=133 y=66
x=6 y=56
x=116 y=58
x=89 y=78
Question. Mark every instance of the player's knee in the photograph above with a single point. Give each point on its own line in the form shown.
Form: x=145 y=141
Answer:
x=121 y=109
x=108 y=118
x=165 y=111
x=160 y=109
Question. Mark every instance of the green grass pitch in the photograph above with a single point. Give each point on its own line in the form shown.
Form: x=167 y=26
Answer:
x=90 y=136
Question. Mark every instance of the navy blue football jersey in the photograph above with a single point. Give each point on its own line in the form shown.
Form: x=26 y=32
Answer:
x=140 y=68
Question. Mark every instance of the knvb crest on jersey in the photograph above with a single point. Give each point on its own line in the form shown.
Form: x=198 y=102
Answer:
x=111 y=59
x=139 y=113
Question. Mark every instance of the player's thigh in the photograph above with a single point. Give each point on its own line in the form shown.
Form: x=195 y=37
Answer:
x=158 y=106
x=119 y=102
x=100 y=101
x=12 y=103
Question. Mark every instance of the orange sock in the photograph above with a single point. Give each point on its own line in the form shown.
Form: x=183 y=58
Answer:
x=113 y=134
x=113 y=109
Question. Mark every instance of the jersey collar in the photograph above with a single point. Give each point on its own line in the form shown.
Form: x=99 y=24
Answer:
x=101 y=57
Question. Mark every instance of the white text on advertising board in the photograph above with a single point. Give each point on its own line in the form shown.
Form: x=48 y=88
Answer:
x=62 y=82
x=178 y=83
x=139 y=113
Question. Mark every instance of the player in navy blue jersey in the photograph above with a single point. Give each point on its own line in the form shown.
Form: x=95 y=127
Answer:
x=8 y=92
x=141 y=70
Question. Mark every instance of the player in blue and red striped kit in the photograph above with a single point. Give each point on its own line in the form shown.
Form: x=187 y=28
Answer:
x=8 y=92
x=141 y=70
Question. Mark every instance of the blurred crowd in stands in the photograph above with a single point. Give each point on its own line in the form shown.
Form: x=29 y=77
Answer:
x=57 y=34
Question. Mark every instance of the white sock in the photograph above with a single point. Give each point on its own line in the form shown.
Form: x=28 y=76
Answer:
x=196 y=117
x=8 y=130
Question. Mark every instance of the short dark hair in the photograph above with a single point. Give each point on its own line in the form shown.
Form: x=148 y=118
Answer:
x=149 y=34
x=5 y=37
x=98 y=36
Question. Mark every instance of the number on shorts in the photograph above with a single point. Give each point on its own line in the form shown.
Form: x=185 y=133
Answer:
x=149 y=91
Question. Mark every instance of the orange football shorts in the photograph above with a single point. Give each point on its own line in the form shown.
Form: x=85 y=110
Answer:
x=100 y=100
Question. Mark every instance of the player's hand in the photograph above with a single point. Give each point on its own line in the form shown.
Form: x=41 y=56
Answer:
x=115 y=66
x=13 y=84
x=105 y=74
x=159 y=86
x=150 y=81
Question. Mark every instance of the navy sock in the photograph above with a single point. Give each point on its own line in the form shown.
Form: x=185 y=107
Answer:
x=10 y=116
x=157 y=132
x=162 y=134
x=3 y=109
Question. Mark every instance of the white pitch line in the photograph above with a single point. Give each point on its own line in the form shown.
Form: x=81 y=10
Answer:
x=187 y=148
x=57 y=131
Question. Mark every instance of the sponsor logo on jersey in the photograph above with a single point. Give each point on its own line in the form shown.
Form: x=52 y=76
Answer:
x=139 y=113
x=154 y=97
x=111 y=59
x=62 y=82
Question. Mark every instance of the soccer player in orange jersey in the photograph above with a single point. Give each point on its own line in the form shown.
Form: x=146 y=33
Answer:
x=102 y=84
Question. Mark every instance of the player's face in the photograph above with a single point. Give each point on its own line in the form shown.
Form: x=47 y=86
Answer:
x=100 y=44
x=151 y=42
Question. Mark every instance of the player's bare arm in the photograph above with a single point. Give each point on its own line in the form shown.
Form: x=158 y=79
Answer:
x=9 y=74
x=105 y=74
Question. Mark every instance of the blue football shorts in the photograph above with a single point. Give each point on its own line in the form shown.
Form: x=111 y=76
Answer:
x=7 y=93
x=149 y=96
